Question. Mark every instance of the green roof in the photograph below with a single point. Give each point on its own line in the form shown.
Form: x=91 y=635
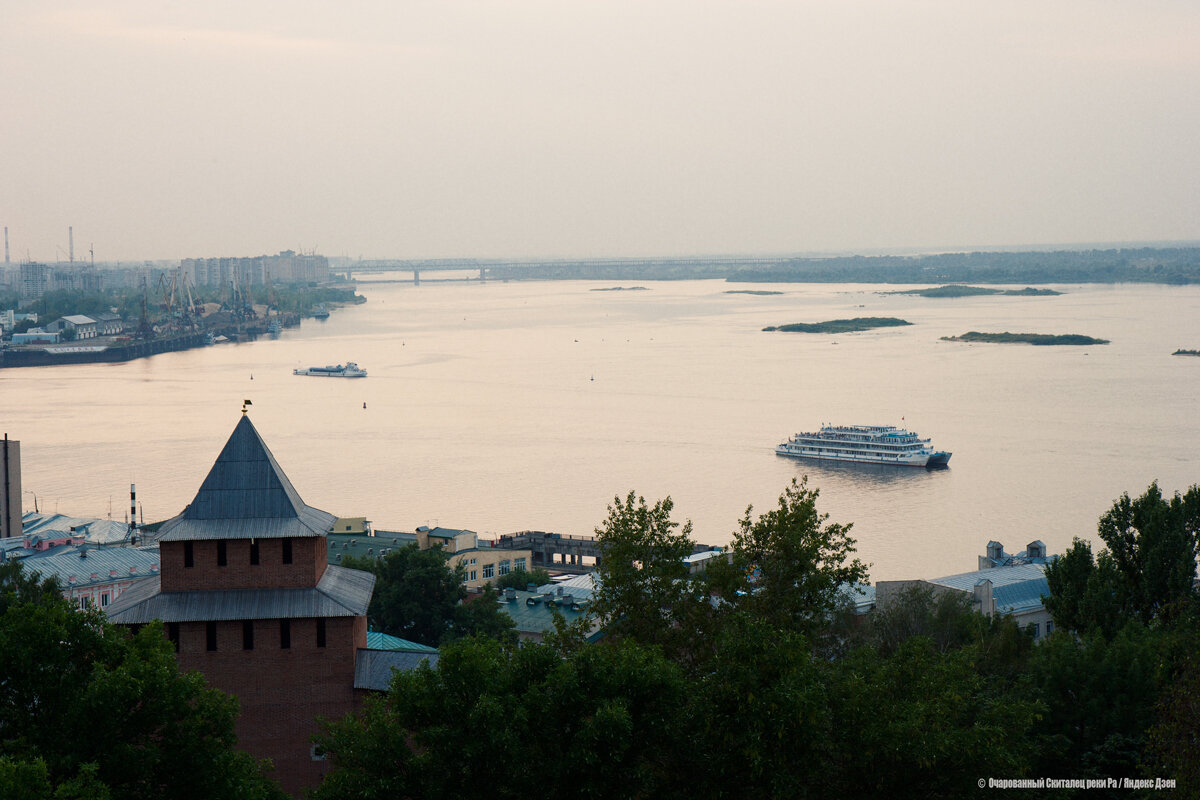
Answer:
x=384 y=641
x=531 y=613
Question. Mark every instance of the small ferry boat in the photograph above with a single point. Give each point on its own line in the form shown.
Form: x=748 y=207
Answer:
x=865 y=444
x=321 y=312
x=347 y=370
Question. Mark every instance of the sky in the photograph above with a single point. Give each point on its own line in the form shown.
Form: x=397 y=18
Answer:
x=572 y=128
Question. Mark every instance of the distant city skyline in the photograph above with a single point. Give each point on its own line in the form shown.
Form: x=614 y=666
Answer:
x=539 y=129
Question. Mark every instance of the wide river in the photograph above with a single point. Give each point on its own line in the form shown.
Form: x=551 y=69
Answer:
x=502 y=407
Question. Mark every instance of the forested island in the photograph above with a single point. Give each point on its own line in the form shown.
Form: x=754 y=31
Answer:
x=1186 y=353
x=750 y=291
x=839 y=325
x=957 y=290
x=1025 y=338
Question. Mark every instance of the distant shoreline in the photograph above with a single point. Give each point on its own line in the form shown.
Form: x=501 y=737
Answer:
x=958 y=290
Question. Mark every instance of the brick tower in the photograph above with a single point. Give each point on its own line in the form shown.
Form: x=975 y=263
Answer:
x=248 y=599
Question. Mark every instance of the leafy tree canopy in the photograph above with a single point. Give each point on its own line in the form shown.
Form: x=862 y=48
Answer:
x=1147 y=571
x=87 y=710
x=520 y=578
x=419 y=596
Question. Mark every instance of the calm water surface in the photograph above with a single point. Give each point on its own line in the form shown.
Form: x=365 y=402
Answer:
x=514 y=406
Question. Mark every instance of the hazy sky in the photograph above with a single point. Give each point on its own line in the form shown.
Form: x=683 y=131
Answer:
x=437 y=128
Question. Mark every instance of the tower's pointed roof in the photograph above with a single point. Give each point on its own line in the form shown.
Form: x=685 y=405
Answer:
x=245 y=495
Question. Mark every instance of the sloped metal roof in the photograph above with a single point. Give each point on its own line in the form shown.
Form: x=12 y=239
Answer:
x=999 y=576
x=377 y=640
x=373 y=668
x=64 y=563
x=1024 y=596
x=341 y=592
x=245 y=495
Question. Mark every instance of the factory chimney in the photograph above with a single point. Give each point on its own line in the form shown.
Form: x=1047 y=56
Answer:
x=6 y=244
x=133 y=513
x=71 y=243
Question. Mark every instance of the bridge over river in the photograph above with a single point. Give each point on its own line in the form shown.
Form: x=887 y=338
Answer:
x=592 y=268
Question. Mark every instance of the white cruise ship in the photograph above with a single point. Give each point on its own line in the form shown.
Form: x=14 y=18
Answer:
x=348 y=370
x=865 y=444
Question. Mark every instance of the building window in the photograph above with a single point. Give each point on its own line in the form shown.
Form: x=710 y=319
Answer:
x=188 y=560
x=254 y=554
x=518 y=565
x=248 y=634
x=504 y=567
x=287 y=551
x=474 y=575
x=82 y=602
x=173 y=634
x=210 y=636
x=320 y=633
x=471 y=563
x=488 y=571
x=104 y=600
x=222 y=553
x=1049 y=627
x=1037 y=630
x=285 y=633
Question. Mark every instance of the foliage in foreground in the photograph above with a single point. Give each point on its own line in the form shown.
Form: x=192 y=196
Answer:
x=778 y=690
x=420 y=597
x=88 y=711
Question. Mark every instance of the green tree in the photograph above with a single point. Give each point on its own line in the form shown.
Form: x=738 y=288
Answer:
x=419 y=596
x=606 y=722
x=99 y=712
x=482 y=616
x=519 y=579
x=644 y=589
x=415 y=593
x=1099 y=694
x=921 y=723
x=1147 y=571
x=793 y=562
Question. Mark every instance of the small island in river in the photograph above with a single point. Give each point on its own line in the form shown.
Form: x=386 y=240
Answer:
x=1025 y=338
x=1186 y=353
x=620 y=289
x=957 y=290
x=750 y=291
x=840 y=325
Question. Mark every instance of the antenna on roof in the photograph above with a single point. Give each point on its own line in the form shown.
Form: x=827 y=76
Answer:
x=244 y=404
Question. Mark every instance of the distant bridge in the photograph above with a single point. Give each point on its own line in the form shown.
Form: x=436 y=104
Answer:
x=515 y=268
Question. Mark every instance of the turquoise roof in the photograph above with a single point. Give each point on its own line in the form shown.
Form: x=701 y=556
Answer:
x=531 y=614
x=384 y=641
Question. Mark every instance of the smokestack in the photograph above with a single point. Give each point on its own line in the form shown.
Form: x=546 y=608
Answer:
x=133 y=511
x=71 y=243
x=6 y=244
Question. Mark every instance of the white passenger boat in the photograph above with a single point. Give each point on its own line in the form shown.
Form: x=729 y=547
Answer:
x=347 y=370
x=865 y=444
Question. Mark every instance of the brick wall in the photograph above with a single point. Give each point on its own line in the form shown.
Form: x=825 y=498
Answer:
x=309 y=558
x=281 y=691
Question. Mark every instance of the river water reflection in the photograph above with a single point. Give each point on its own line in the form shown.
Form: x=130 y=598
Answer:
x=513 y=406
